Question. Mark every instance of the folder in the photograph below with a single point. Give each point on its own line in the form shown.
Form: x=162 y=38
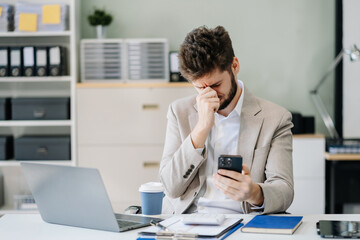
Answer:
x=56 y=61
x=15 y=61
x=41 y=62
x=29 y=61
x=4 y=62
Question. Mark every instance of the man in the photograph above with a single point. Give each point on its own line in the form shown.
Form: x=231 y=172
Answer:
x=224 y=118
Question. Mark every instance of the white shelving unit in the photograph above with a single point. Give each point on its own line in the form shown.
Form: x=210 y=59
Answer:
x=61 y=86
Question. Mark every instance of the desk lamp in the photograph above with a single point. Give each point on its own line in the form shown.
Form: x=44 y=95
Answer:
x=354 y=54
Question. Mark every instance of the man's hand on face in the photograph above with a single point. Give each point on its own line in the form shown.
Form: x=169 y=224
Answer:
x=239 y=186
x=207 y=103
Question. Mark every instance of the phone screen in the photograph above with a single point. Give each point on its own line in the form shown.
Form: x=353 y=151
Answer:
x=339 y=229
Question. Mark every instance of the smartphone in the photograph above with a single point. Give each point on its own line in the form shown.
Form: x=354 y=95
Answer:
x=338 y=229
x=230 y=162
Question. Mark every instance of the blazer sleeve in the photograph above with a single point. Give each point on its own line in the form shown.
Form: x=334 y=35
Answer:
x=180 y=161
x=278 y=188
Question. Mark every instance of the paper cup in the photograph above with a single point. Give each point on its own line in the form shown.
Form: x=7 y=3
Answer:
x=152 y=194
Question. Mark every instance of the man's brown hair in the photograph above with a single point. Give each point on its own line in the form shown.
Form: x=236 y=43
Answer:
x=205 y=50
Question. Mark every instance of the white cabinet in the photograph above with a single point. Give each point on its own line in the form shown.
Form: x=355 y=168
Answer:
x=309 y=174
x=37 y=87
x=121 y=131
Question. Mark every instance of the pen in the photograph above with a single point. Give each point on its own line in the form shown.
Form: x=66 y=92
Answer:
x=231 y=231
x=158 y=224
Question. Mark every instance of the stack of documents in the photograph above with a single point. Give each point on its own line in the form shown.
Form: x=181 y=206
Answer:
x=6 y=17
x=177 y=229
x=41 y=17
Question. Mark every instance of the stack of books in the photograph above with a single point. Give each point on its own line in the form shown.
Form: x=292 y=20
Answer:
x=344 y=147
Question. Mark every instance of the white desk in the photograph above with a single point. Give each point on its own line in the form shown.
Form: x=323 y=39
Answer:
x=31 y=226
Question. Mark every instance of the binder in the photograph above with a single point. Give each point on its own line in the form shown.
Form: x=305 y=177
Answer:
x=175 y=75
x=29 y=61
x=15 y=61
x=41 y=62
x=4 y=61
x=56 y=61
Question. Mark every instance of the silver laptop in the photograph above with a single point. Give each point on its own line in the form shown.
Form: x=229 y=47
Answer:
x=76 y=196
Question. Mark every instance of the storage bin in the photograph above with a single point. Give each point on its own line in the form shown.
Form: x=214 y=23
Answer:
x=40 y=108
x=6 y=147
x=4 y=108
x=42 y=148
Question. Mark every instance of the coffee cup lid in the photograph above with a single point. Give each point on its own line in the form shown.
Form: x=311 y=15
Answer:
x=151 y=187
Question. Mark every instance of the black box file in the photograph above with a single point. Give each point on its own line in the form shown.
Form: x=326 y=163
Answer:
x=40 y=108
x=6 y=147
x=42 y=148
x=4 y=108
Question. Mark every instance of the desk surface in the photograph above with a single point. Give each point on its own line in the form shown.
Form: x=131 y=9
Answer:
x=31 y=226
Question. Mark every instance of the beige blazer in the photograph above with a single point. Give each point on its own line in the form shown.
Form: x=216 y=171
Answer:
x=265 y=143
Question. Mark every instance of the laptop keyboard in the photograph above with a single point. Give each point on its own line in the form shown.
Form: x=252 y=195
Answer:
x=123 y=223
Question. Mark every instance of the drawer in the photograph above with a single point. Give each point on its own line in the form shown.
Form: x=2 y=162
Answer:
x=123 y=168
x=40 y=108
x=125 y=115
x=42 y=148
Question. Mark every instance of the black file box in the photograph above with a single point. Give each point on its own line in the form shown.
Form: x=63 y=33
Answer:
x=42 y=148
x=6 y=147
x=40 y=108
x=5 y=109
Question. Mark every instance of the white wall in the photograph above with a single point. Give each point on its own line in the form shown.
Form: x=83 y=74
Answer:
x=284 y=46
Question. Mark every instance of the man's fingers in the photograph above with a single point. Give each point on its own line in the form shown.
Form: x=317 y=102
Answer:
x=232 y=174
x=245 y=169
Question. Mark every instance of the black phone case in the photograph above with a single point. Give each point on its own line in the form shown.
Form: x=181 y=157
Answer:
x=230 y=162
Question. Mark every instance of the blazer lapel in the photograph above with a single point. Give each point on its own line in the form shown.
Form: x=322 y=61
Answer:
x=250 y=126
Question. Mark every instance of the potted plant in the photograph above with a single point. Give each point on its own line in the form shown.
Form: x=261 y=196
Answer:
x=100 y=19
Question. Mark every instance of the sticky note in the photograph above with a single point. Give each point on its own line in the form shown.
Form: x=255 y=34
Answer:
x=51 y=14
x=28 y=22
x=0 y=11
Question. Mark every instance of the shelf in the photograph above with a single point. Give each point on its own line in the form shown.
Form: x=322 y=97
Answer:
x=35 y=34
x=36 y=123
x=342 y=157
x=132 y=85
x=308 y=136
x=36 y=79
x=14 y=163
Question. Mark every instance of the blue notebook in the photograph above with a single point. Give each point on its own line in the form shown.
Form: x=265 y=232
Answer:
x=273 y=224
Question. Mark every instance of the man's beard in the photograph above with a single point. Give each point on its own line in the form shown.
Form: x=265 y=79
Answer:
x=231 y=94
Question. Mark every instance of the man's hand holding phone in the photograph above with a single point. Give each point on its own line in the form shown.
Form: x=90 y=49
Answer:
x=235 y=184
x=207 y=103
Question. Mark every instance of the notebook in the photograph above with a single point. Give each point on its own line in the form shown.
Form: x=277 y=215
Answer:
x=273 y=224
